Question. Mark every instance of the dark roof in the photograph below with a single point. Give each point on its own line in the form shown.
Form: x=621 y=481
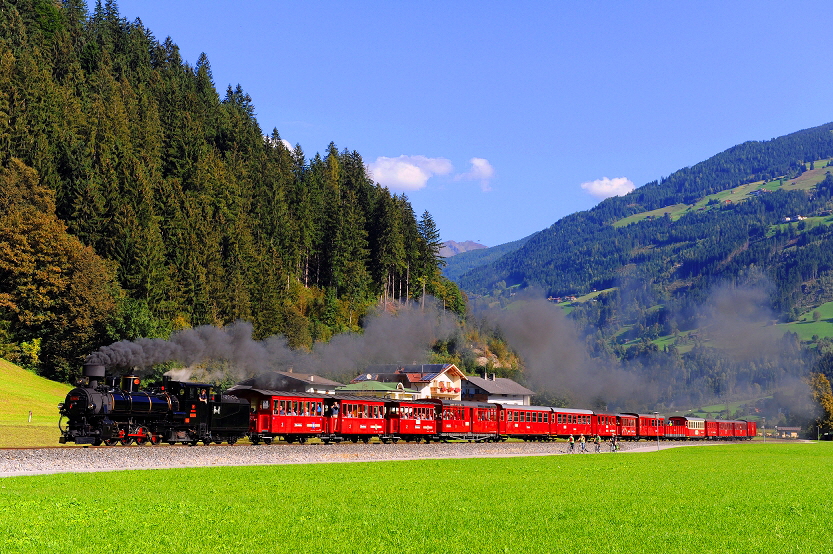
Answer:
x=277 y=380
x=528 y=408
x=243 y=389
x=372 y=386
x=499 y=386
x=415 y=368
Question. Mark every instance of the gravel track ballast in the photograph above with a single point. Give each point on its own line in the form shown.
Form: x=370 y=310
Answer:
x=115 y=458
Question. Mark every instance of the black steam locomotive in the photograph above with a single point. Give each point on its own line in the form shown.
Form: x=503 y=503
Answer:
x=117 y=411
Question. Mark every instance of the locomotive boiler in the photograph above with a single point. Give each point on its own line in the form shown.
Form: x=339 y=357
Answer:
x=116 y=410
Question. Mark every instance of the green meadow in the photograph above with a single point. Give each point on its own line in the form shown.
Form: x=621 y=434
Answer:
x=727 y=498
x=22 y=392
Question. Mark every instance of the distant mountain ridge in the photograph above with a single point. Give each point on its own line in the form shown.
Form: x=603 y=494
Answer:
x=467 y=261
x=451 y=248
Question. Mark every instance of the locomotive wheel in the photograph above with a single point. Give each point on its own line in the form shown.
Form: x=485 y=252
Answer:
x=97 y=442
x=207 y=442
x=194 y=442
x=218 y=441
x=384 y=440
x=232 y=441
x=267 y=440
x=354 y=440
x=125 y=441
x=365 y=440
x=111 y=442
x=143 y=437
x=172 y=443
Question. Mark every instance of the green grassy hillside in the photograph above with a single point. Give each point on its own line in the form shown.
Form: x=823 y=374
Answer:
x=22 y=391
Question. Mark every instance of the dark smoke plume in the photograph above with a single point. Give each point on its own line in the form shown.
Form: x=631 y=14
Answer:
x=738 y=320
x=555 y=356
x=403 y=337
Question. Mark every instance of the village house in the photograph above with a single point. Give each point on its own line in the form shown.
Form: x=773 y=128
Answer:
x=787 y=432
x=425 y=380
x=495 y=389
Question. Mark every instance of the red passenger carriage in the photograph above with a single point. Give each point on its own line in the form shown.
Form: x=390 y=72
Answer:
x=626 y=426
x=725 y=429
x=568 y=421
x=524 y=422
x=605 y=425
x=739 y=429
x=693 y=428
x=649 y=426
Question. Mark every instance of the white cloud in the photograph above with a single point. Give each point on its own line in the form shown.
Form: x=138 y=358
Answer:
x=605 y=188
x=481 y=170
x=407 y=172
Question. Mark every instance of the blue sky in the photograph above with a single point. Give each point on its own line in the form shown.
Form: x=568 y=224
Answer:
x=500 y=118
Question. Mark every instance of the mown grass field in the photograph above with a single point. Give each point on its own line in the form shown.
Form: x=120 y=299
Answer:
x=22 y=391
x=728 y=498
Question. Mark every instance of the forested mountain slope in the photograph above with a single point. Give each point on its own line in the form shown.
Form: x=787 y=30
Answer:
x=137 y=200
x=688 y=253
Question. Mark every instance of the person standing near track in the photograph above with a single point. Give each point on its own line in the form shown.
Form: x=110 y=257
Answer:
x=583 y=443
x=572 y=442
x=597 y=440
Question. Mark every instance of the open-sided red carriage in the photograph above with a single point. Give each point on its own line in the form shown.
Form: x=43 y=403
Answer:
x=410 y=420
x=292 y=416
x=355 y=418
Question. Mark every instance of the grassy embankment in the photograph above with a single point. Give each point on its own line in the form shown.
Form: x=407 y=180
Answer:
x=729 y=498
x=22 y=391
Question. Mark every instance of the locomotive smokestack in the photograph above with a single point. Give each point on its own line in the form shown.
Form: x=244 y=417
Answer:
x=94 y=372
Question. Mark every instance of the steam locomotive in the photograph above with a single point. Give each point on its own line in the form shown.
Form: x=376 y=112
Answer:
x=116 y=411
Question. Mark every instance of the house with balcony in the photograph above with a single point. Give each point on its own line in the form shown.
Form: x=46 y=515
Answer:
x=442 y=381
